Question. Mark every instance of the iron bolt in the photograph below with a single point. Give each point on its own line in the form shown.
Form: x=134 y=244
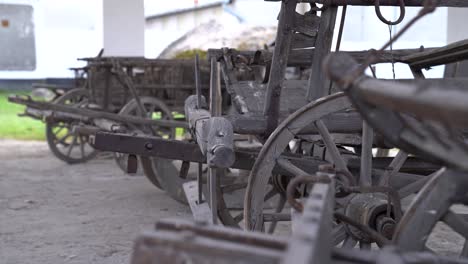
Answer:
x=149 y=146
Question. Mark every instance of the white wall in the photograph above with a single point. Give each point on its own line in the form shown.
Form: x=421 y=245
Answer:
x=65 y=31
x=161 y=32
x=364 y=31
x=457 y=24
x=124 y=28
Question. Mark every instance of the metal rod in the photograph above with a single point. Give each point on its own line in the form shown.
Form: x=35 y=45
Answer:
x=342 y=24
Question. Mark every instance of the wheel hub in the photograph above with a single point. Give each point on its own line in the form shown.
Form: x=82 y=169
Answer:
x=370 y=209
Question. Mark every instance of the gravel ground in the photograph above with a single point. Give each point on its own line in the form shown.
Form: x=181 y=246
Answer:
x=51 y=212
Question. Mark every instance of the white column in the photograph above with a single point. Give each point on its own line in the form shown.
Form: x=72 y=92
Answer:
x=457 y=24
x=124 y=28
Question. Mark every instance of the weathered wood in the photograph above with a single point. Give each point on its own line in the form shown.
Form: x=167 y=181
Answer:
x=181 y=247
x=307 y=24
x=254 y=97
x=51 y=108
x=214 y=135
x=444 y=55
x=220 y=143
x=197 y=119
x=215 y=89
x=180 y=150
x=304 y=57
x=279 y=64
x=318 y=83
x=247 y=124
x=315 y=227
x=446 y=103
x=201 y=211
x=301 y=41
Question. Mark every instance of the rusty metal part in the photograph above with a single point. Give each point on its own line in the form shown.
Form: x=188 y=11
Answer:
x=393 y=196
x=311 y=242
x=304 y=179
x=373 y=235
x=355 y=72
x=366 y=209
x=401 y=4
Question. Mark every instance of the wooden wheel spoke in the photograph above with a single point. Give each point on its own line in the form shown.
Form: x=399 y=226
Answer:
x=464 y=252
x=339 y=234
x=59 y=130
x=349 y=242
x=279 y=208
x=238 y=218
x=62 y=139
x=270 y=194
x=328 y=140
x=456 y=222
x=364 y=245
x=276 y=217
x=413 y=187
x=72 y=145
x=365 y=178
x=233 y=187
x=291 y=168
x=82 y=146
x=394 y=167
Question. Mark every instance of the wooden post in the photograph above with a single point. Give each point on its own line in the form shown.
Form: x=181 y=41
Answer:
x=279 y=63
x=318 y=83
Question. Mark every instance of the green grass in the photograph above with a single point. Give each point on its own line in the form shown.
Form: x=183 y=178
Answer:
x=190 y=54
x=25 y=128
x=14 y=127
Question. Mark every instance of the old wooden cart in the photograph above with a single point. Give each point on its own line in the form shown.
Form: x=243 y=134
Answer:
x=299 y=126
x=110 y=86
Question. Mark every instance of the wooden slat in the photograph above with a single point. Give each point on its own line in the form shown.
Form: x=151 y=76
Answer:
x=451 y=53
x=318 y=82
x=201 y=211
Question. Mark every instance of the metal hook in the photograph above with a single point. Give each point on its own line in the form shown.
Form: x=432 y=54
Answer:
x=384 y=20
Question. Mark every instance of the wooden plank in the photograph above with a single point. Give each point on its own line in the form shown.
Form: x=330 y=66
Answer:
x=301 y=41
x=318 y=82
x=454 y=52
x=307 y=24
x=279 y=64
x=201 y=211
x=303 y=57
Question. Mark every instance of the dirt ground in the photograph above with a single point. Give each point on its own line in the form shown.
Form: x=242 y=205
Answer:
x=51 y=212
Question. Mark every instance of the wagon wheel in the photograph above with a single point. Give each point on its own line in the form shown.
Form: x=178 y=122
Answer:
x=65 y=144
x=155 y=109
x=437 y=202
x=378 y=215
